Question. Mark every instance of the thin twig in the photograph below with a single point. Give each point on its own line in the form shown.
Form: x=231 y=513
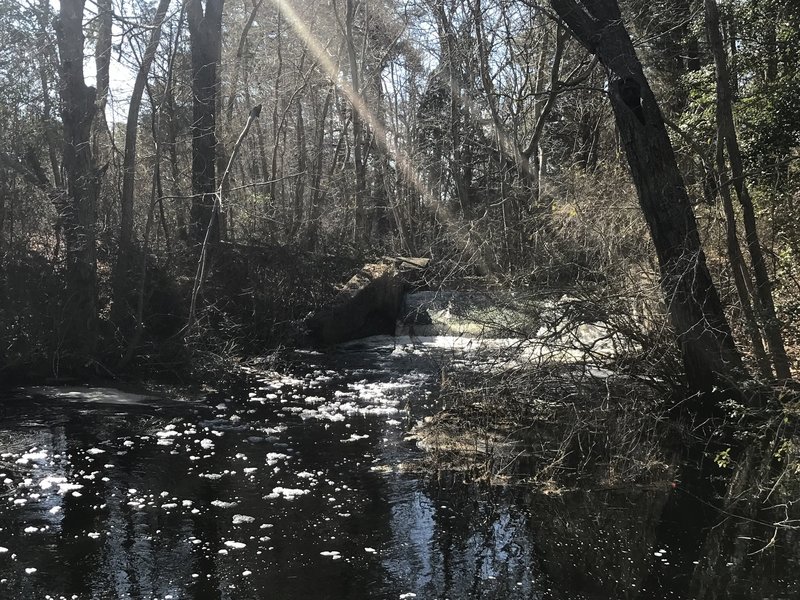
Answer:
x=201 y=263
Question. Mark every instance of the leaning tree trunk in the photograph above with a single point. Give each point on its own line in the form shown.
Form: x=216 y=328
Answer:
x=709 y=355
x=727 y=131
x=205 y=33
x=78 y=110
x=741 y=278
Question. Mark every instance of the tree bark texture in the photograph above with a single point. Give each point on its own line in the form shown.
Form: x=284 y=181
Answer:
x=205 y=33
x=709 y=354
x=78 y=110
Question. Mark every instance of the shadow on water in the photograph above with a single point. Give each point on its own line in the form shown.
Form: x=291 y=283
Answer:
x=298 y=483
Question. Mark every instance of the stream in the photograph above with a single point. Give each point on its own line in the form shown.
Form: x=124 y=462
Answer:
x=298 y=483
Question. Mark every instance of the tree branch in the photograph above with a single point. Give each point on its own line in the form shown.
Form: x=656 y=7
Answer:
x=579 y=20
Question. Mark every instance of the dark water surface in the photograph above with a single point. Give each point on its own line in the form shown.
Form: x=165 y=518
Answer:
x=295 y=485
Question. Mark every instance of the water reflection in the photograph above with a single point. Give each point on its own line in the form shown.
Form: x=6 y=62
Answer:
x=453 y=543
x=293 y=485
x=753 y=549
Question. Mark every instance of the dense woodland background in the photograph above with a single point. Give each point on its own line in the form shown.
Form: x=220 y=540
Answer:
x=476 y=132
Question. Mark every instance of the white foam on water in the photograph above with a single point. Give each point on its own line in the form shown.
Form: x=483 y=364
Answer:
x=239 y=519
x=287 y=493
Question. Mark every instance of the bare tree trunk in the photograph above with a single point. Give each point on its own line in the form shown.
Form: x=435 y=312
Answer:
x=262 y=151
x=102 y=59
x=205 y=33
x=241 y=60
x=121 y=275
x=4 y=190
x=317 y=195
x=276 y=122
x=47 y=63
x=155 y=192
x=727 y=131
x=738 y=269
x=709 y=354
x=362 y=219
x=175 y=171
x=280 y=144
x=449 y=66
x=77 y=114
x=302 y=162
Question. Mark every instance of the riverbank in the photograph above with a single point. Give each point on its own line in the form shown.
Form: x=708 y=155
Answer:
x=252 y=299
